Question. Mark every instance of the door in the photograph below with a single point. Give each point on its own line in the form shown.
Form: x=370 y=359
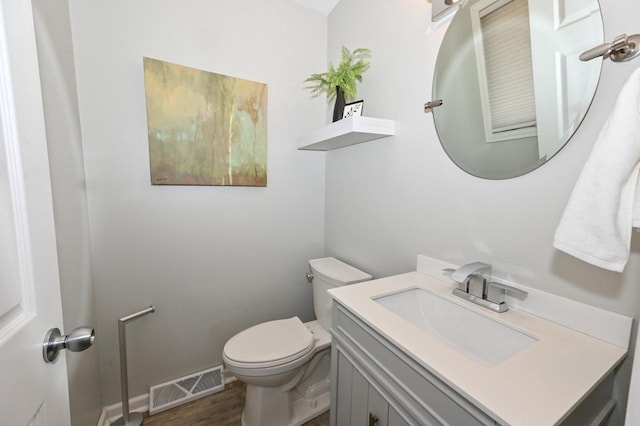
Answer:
x=33 y=392
x=571 y=27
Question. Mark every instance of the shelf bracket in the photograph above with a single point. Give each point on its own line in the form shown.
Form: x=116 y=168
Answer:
x=429 y=106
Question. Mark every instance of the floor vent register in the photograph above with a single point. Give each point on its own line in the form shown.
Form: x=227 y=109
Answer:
x=179 y=391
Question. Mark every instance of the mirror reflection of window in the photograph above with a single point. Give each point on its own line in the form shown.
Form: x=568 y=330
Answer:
x=563 y=86
x=502 y=40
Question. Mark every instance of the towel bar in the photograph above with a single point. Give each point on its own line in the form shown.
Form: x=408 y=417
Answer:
x=624 y=48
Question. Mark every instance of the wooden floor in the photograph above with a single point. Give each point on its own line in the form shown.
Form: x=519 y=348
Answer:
x=220 y=409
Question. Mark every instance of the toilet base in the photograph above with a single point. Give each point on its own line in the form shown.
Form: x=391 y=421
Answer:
x=266 y=406
x=305 y=396
x=303 y=411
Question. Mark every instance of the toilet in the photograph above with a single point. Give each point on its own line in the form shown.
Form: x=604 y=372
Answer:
x=286 y=363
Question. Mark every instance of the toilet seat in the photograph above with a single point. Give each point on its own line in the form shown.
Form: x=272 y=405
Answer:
x=269 y=344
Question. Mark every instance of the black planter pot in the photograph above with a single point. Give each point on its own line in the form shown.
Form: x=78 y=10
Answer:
x=338 y=108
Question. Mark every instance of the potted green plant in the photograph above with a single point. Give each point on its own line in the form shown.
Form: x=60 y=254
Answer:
x=339 y=82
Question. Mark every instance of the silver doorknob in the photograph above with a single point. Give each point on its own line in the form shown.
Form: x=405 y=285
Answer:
x=78 y=340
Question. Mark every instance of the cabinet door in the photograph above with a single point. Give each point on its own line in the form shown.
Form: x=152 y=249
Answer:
x=352 y=393
x=342 y=377
x=352 y=401
x=395 y=419
x=378 y=409
x=381 y=413
x=357 y=402
x=359 y=398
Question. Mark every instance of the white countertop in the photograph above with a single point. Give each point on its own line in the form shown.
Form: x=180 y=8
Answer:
x=539 y=386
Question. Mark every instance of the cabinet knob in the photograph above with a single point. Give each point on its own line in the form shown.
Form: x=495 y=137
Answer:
x=373 y=419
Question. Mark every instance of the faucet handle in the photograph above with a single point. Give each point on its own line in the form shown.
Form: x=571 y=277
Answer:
x=510 y=289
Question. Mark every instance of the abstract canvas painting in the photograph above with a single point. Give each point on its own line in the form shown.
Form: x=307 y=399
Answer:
x=204 y=128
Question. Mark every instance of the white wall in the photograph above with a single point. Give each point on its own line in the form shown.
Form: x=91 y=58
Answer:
x=391 y=199
x=213 y=260
x=55 y=56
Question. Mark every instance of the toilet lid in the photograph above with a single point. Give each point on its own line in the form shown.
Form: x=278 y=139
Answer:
x=270 y=343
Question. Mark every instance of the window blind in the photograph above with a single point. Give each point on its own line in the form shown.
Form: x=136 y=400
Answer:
x=509 y=70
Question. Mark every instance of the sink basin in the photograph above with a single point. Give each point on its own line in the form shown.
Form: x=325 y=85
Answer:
x=475 y=336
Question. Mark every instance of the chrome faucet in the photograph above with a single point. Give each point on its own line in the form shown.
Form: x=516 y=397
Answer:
x=475 y=284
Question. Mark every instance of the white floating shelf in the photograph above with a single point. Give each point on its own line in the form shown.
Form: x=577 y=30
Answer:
x=345 y=132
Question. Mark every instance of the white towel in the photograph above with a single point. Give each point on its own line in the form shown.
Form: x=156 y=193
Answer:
x=605 y=203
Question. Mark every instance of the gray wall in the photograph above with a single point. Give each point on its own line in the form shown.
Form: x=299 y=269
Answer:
x=213 y=260
x=55 y=56
x=390 y=199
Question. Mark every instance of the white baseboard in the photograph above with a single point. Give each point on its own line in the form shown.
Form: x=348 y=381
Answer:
x=138 y=403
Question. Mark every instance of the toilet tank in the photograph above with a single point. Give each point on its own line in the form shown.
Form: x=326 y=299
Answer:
x=329 y=272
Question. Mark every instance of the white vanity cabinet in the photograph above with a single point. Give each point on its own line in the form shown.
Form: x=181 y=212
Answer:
x=375 y=383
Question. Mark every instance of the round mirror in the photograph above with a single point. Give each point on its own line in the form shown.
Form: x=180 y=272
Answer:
x=512 y=86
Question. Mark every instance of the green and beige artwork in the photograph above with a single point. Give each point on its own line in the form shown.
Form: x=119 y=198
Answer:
x=205 y=128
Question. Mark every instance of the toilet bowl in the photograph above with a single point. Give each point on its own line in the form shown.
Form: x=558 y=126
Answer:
x=285 y=363
x=270 y=354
